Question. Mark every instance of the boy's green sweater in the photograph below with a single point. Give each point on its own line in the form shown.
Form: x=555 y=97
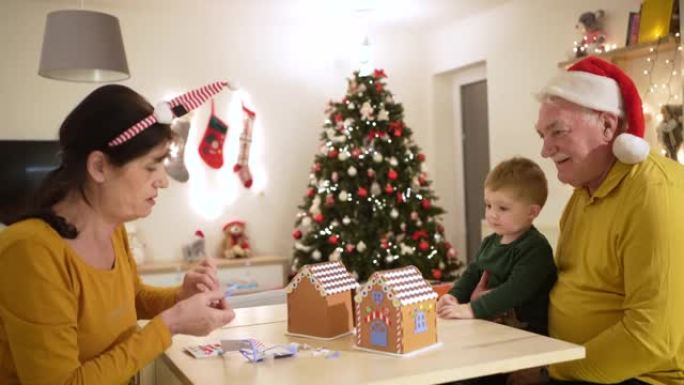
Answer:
x=522 y=274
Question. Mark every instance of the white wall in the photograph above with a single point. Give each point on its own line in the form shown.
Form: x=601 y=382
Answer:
x=291 y=56
x=521 y=43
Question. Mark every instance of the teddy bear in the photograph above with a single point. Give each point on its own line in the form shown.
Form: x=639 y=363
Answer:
x=590 y=24
x=236 y=243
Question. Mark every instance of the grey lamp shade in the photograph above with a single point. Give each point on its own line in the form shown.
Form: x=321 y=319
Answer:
x=83 y=46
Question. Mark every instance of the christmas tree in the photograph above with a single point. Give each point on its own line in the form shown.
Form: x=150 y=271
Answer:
x=368 y=202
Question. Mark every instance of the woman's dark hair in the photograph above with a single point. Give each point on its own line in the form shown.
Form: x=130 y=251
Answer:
x=99 y=118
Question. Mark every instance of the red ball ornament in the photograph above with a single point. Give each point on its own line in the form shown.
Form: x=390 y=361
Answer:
x=389 y=189
x=333 y=239
x=356 y=152
x=437 y=273
x=349 y=248
x=318 y=217
x=384 y=243
x=400 y=197
x=362 y=192
x=421 y=157
x=423 y=245
x=339 y=118
x=425 y=203
x=329 y=200
x=371 y=173
x=379 y=87
x=310 y=192
x=316 y=167
x=392 y=175
x=332 y=154
x=422 y=179
x=296 y=234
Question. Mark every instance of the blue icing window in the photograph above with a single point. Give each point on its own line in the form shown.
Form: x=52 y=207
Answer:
x=377 y=296
x=421 y=326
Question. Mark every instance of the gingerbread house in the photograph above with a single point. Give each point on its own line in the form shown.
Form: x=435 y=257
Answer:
x=396 y=312
x=319 y=301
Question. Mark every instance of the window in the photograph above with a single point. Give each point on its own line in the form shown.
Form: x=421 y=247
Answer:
x=377 y=297
x=420 y=322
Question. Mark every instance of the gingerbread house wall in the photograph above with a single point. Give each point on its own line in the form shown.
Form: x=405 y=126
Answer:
x=311 y=314
x=363 y=328
x=412 y=340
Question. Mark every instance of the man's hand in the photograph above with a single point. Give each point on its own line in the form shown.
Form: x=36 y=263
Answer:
x=446 y=299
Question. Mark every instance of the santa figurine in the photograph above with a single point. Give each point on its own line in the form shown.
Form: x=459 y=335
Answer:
x=195 y=250
x=236 y=241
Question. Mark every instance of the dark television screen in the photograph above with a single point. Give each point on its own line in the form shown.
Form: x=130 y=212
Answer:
x=24 y=165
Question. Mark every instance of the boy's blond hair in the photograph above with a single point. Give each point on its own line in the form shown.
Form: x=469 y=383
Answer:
x=522 y=176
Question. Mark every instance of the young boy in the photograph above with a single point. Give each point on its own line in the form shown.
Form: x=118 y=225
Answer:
x=514 y=270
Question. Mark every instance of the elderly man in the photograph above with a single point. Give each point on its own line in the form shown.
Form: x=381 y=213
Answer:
x=620 y=255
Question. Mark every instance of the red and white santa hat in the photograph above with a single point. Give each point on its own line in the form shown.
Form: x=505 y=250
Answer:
x=603 y=86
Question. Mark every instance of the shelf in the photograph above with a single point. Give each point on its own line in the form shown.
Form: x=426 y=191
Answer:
x=632 y=52
x=177 y=266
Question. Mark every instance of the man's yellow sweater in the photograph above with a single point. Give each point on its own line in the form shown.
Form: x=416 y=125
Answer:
x=620 y=288
x=65 y=322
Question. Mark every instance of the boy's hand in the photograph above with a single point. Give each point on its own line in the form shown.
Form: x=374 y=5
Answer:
x=458 y=311
x=481 y=288
x=446 y=299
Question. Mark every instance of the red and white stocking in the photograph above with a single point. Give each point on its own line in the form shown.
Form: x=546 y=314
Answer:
x=211 y=146
x=242 y=165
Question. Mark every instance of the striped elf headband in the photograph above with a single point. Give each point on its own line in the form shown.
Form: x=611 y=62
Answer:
x=165 y=112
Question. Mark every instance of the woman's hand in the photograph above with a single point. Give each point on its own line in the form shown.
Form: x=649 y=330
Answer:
x=457 y=311
x=199 y=314
x=201 y=278
x=531 y=376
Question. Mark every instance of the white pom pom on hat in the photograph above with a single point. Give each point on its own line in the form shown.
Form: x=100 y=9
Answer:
x=603 y=86
x=163 y=113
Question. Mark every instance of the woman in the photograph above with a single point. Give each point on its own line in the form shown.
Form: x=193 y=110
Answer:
x=70 y=295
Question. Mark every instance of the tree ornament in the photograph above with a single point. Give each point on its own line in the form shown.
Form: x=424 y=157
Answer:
x=400 y=197
x=318 y=218
x=346 y=220
x=316 y=167
x=396 y=128
x=422 y=179
x=421 y=157
x=356 y=152
x=366 y=111
x=310 y=192
x=437 y=274
x=383 y=115
x=389 y=259
x=379 y=73
x=362 y=192
x=361 y=247
x=392 y=175
x=394 y=214
x=306 y=222
x=426 y=204
x=393 y=162
x=343 y=196
x=389 y=189
x=375 y=189
x=316 y=255
x=329 y=200
x=371 y=173
x=297 y=234
x=377 y=157
x=334 y=176
x=384 y=243
x=423 y=245
x=332 y=154
x=351 y=105
x=343 y=156
x=333 y=239
x=414 y=215
x=349 y=248
x=351 y=171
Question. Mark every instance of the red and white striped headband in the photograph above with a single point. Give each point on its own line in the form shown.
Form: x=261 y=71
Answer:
x=164 y=112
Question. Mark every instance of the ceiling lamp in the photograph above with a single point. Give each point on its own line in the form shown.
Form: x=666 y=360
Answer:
x=83 y=46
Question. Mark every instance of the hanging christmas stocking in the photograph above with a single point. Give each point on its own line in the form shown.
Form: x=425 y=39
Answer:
x=242 y=165
x=211 y=146
x=174 y=164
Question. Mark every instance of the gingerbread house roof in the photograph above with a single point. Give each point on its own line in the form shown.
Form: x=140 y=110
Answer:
x=404 y=286
x=327 y=277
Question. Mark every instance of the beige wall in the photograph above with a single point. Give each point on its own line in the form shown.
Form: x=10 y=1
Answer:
x=292 y=58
